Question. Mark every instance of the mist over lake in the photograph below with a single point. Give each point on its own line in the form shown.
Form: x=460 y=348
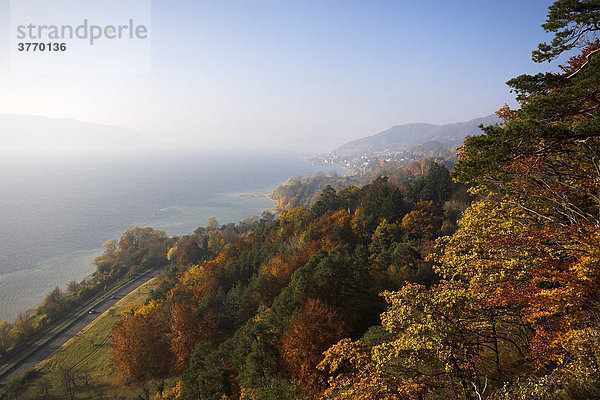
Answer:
x=56 y=209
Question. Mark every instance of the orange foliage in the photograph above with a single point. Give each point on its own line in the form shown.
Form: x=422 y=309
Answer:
x=576 y=62
x=423 y=221
x=506 y=114
x=336 y=229
x=316 y=328
x=141 y=350
x=185 y=334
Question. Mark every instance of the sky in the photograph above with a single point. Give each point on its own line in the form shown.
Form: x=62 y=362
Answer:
x=258 y=73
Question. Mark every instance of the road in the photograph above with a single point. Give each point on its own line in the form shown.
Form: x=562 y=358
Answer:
x=314 y=191
x=38 y=353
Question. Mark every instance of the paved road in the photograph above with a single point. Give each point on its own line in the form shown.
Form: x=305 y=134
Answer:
x=49 y=346
x=312 y=195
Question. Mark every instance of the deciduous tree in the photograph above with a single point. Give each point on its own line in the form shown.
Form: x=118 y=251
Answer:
x=141 y=349
x=314 y=330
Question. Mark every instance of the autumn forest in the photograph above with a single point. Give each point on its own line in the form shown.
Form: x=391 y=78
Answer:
x=479 y=283
x=478 y=279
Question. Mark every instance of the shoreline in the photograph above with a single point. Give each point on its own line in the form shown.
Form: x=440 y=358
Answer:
x=27 y=288
x=28 y=284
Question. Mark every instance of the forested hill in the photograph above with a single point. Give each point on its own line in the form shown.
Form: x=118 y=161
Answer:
x=408 y=288
x=479 y=283
x=405 y=137
x=247 y=311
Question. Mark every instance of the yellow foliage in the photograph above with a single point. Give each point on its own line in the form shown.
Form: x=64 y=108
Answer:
x=171 y=393
x=171 y=253
x=148 y=308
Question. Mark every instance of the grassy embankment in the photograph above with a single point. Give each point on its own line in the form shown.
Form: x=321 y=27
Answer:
x=82 y=368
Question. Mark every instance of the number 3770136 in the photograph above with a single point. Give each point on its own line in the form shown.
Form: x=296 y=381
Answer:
x=35 y=46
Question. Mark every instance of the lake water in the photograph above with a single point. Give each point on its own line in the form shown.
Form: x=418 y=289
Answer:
x=56 y=210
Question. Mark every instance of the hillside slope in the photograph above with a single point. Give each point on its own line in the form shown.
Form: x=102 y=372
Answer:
x=29 y=131
x=403 y=137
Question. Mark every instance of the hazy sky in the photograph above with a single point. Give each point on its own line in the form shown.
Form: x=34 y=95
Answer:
x=234 y=73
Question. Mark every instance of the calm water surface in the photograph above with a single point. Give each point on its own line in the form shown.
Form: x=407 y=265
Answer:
x=56 y=210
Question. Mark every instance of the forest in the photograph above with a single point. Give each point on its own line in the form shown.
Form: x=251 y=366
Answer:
x=477 y=282
x=254 y=320
x=480 y=284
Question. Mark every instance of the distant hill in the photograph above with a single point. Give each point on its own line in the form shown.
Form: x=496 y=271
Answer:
x=432 y=148
x=27 y=131
x=411 y=136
